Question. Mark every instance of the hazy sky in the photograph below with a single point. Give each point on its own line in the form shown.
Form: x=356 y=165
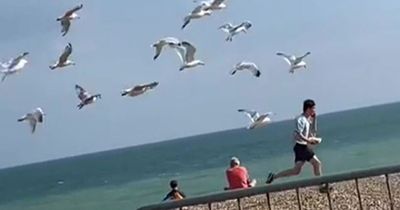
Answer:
x=354 y=46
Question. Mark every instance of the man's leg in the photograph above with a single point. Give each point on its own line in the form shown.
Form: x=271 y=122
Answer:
x=316 y=164
x=289 y=172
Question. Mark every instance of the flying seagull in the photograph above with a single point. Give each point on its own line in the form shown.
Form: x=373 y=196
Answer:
x=186 y=52
x=63 y=59
x=13 y=66
x=257 y=120
x=85 y=97
x=171 y=42
x=198 y=12
x=67 y=17
x=233 y=30
x=293 y=61
x=252 y=67
x=34 y=117
x=139 y=89
x=213 y=4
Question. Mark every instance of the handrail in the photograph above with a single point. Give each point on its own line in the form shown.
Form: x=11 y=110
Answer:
x=240 y=193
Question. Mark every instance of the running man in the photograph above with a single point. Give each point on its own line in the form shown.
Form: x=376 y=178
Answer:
x=304 y=137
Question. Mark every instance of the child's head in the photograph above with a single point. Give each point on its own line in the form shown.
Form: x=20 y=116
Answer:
x=173 y=183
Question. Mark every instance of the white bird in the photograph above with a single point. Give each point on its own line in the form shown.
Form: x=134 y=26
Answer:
x=252 y=67
x=63 y=59
x=34 y=117
x=257 y=120
x=213 y=4
x=198 y=12
x=85 y=97
x=293 y=61
x=14 y=65
x=67 y=17
x=139 y=89
x=171 y=42
x=233 y=30
x=186 y=52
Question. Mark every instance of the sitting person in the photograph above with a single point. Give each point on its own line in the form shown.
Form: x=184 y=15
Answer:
x=238 y=176
x=175 y=193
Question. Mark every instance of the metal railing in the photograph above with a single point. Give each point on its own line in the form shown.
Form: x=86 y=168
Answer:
x=241 y=193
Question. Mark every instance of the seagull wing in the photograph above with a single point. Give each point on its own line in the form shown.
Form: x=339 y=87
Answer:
x=199 y=8
x=38 y=114
x=181 y=51
x=32 y=123
x=69 y=12
x=190 y=51
x=65 y=23
x=253 y=115
x=286 y=57
x=16 y=60
x=253 y=68
x=217 y=3
x=82 y=93
x=151 y=85
x=67 y=52
x=299 y=59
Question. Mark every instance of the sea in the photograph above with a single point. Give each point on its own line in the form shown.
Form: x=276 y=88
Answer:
x=125 y=179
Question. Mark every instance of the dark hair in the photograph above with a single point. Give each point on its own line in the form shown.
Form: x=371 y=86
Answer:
x=173 y=183
x=309 y=103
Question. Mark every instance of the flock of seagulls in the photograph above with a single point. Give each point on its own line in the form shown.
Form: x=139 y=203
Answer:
x=185 y=50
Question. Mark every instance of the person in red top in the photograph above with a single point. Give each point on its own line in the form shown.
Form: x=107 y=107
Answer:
x=237 y=176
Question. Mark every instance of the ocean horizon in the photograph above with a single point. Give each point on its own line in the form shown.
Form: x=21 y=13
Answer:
x=130 y=177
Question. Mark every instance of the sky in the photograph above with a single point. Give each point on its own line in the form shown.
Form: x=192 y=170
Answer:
x=354 y=48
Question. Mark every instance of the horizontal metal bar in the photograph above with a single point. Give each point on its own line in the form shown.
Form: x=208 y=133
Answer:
x=240 y=193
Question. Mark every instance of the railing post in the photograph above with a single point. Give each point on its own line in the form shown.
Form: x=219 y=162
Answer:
x=269 y=202
x=209 y=206
x=298 y=198
x=389 y=192
x=239 y=204
x=358 y=194
x=328 y=194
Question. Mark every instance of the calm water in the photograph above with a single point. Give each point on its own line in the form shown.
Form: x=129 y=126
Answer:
x=132 y=177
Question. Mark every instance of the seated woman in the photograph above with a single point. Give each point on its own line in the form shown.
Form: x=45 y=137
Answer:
x=237 y=176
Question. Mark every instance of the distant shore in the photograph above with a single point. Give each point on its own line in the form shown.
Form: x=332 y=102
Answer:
x=374 y=195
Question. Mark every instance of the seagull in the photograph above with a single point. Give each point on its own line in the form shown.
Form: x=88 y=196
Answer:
x=252 y=67
x=139 y=89
x=67 y=17
x=233 y=30
x=167 y=41
x=293 y=61
x=85 y=97
x=186 y=53
x=63 y=59
x=198 y=12
x=34 y=117
x=256 y=119
x=213 y=4
x=14 y=65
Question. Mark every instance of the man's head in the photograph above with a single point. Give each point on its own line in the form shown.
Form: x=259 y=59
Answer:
x=173 y=184
x=235 y=161
x=309 y=107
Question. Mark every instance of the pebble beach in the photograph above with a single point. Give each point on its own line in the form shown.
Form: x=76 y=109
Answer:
x=373 y=193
